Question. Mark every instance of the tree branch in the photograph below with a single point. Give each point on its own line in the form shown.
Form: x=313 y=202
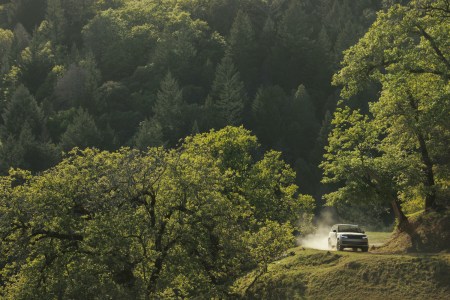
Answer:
x=434 y=46
x=423 y=71
x=57 y=235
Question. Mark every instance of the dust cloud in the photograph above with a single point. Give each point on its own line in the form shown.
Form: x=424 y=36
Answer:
x=319 y=239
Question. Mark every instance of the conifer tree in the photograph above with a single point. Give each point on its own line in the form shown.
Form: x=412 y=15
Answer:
x=22 y=109
x=168 y=109
x=228 y=93
x=56 y=20
x=6 y=42
x=345 y=38
x=149 y=134
x=267 y=115
x=244 y=50
x=24 y=141
x=21 y=38
x=82 y=132
x=302 y=125
x=37 y=60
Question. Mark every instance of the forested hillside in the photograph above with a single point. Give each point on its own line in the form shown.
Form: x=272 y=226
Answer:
x=154 y=149
x=109 y=73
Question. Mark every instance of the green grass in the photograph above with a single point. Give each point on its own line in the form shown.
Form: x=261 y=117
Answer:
x=378 y=238
x=314 y=274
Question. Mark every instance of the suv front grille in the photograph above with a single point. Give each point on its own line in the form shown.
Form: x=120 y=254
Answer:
x=355 y=237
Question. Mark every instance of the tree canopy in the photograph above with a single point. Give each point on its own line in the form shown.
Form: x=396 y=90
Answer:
x=144 y=224
x=397 y=149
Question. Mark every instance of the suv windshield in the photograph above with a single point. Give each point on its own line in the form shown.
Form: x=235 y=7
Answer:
x=349 y=228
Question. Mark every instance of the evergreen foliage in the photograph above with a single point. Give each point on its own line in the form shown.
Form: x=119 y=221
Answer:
x=228 y=93
x=111 y=59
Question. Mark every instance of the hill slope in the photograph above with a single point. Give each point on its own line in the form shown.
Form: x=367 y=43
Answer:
x=432 y=229
x=314 y=274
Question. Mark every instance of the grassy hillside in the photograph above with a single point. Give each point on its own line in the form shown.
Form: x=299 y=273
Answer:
x=314 y=274
x=433 y=229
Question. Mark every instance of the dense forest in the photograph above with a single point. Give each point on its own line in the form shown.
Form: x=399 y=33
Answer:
x=163 y=148
x=118 y=73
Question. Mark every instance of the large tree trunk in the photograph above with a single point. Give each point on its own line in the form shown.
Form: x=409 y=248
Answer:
x=162 y=253
x=430 y=197
x=405 y=226
x=399 y=215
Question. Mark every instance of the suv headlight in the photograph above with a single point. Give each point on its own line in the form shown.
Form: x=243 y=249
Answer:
x=344 y=236
x=364 y=237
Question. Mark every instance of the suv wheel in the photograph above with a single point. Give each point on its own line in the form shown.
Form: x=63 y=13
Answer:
x=364 y=249
x=338 y=246
x=329 y=245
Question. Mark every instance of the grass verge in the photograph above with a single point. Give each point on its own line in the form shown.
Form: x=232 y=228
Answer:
x=378 y=238
x=315 y=274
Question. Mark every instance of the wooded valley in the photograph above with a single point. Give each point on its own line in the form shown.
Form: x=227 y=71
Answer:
x=165 y=148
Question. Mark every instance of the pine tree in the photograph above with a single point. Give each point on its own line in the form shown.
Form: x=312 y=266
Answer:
x=149 y=134
x=27 y=152
x=70 y=89
x=77 y=86
x=82 y=132
x=268 y=41
x=22 y=109
x=25 y=143
x=195 y=130
x=296 y=57
x=242 y=34
x=37 y=60
x=210 y=117
x=322 y=137
x=168 y=109
x=228 y=93
x=244 y=50
x=346 y=37
x=267 y=114
x=295 y=26
x=21 y=38
x=6 y=42
x=324 y=41
x=56 y=20
x=301 y=125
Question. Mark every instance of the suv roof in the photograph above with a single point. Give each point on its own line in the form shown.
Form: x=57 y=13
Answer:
x=347 y=228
